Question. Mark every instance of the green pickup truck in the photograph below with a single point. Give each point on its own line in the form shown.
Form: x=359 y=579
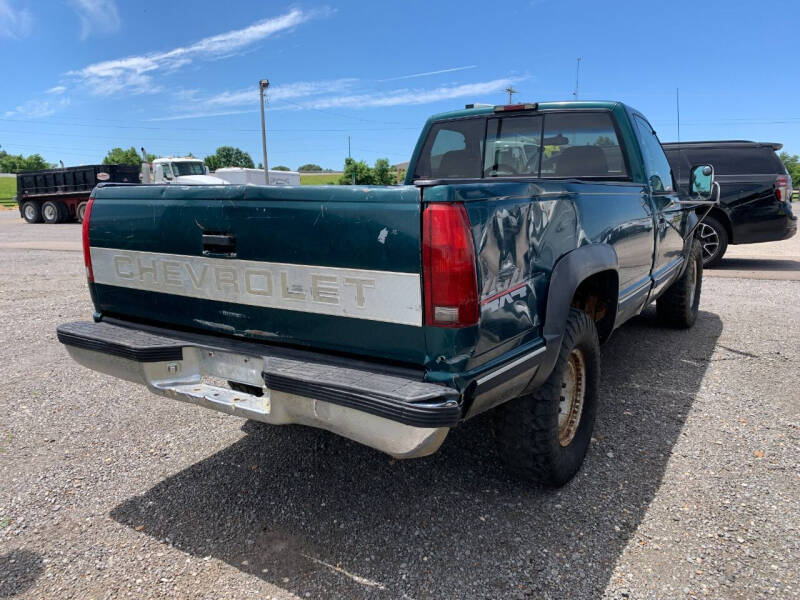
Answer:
x=523 y=236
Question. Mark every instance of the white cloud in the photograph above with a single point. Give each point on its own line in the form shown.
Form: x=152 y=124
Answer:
x=36 y=109
x=415 y=96
x=230 y=102
x=317 y=95
x=286 y=91
x=426 y=73
x=56 y=89
x=134 y=74
x=15 y=23
x=198 y=115
x=96 y=16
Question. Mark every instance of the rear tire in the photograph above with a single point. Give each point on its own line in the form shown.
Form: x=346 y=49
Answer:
x=32 y=211
x=80 y=211
x=714 y=241
x=678 y=305
x=66 y=217
x=543 y=437
x=51 y=212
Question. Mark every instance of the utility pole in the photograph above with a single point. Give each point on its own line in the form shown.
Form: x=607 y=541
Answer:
x=263 y=85
x=577 y=78
x=350 y=156
x=511 y=91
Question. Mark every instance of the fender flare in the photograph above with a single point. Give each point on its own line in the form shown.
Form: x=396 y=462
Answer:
x=568 y=273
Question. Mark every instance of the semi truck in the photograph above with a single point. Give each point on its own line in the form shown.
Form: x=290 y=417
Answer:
x=60 y=195
x=189 y=170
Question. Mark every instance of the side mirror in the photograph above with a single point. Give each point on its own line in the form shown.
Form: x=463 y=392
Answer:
x=701 y=181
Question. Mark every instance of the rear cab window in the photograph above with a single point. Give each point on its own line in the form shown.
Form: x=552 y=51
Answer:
x=566 y=144
x=453 y=150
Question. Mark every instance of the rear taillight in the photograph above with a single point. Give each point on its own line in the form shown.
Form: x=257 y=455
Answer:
x=448 y=266
x=87 y=256
x=783 y=188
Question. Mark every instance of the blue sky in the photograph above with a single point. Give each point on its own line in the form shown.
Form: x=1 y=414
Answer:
x=82 y=76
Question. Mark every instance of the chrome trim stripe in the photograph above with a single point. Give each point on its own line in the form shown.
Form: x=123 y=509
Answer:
x=511 y=365
x=661 y=275
x=357 y=293
x=633 y=292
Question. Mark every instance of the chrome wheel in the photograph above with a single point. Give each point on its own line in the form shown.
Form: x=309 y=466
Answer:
x=709 y=240
x=49 y=212
x=30 y=211
x=573 y=394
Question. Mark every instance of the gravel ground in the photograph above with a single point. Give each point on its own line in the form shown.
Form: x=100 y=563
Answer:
x=691 y=487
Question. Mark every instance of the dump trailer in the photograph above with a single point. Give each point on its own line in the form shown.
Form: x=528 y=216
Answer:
x=59 y=195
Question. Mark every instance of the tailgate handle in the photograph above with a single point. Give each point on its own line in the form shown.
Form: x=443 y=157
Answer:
x=219 y=244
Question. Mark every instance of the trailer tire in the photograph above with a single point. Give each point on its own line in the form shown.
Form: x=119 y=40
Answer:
x=543 y=436
x=52 y=212
x=66 y=217
x=32 y=211
x=80 y=210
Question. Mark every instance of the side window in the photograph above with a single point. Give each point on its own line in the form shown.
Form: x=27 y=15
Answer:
x=737 y=161
x=658 y=170
x=452 y=150
x=581 y=144
x=513 y=147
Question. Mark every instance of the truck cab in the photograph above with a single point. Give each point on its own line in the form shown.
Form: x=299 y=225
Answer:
x=183 y=170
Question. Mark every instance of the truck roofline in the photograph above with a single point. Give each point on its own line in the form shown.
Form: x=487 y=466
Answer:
x=541 y=106
x=722 y=144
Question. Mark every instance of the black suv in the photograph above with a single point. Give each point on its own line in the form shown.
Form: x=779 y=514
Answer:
x=756 y=191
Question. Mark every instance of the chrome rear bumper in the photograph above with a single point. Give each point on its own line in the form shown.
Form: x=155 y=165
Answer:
x=401 y=416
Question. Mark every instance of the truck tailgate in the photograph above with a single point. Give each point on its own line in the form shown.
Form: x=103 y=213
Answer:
x=328 y=267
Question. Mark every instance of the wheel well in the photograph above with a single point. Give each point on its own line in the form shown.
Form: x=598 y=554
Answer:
x=721 y=216
x=597 y=296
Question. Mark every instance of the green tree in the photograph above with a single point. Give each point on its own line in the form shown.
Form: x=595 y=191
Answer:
x=309 y=168
x=357 y=172
x=792 y=164
x=119 y=156
x=16 y=163
x=280 y=168
x=228 y=156
x=604 y=140
x=384 y=174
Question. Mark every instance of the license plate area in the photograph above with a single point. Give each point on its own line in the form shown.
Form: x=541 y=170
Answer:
x=228 y=366
x=200 y=379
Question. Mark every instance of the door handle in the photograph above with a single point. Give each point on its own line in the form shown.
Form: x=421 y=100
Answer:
x=219 y=245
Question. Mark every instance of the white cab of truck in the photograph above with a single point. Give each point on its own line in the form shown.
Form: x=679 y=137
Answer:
x=183 y=170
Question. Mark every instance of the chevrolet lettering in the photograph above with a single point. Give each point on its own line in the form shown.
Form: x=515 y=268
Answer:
x=524 y=235
x=376 y=295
